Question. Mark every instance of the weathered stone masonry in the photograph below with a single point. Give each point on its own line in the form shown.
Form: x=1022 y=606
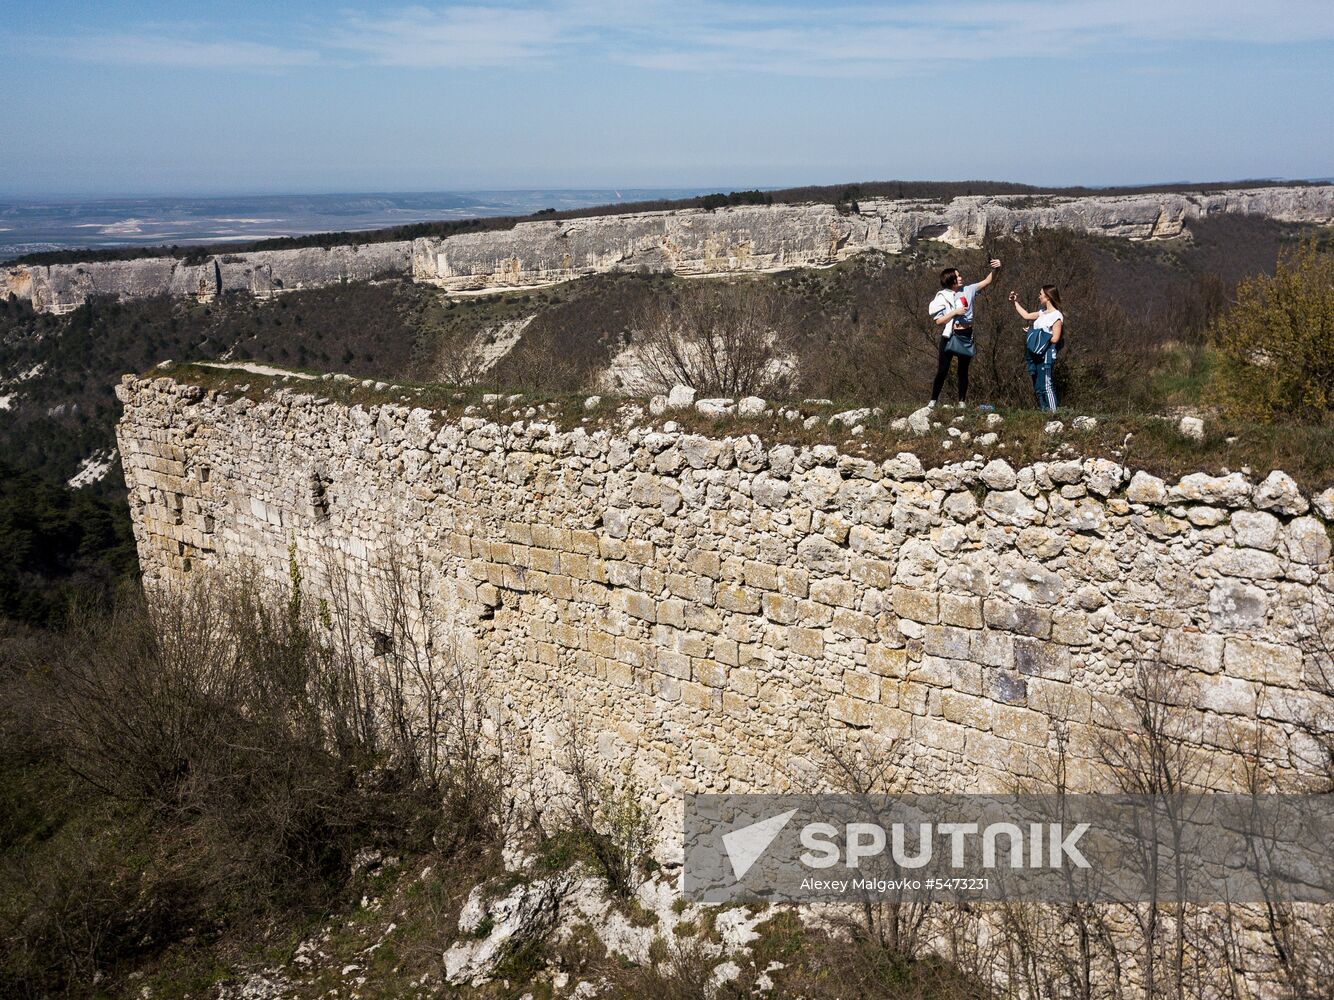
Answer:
x=704 y=604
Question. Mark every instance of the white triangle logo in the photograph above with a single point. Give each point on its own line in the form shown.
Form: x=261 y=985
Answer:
x=745 y=845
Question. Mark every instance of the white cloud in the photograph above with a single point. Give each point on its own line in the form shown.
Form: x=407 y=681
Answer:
x=884 y=39
x=454 y=36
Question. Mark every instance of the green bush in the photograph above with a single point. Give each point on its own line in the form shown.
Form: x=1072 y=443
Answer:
x=1274 y=352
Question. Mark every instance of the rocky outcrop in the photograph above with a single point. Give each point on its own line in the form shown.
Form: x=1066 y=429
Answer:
x=769 y=238
x=687 y=242
x=60 y=288
x=690 y=242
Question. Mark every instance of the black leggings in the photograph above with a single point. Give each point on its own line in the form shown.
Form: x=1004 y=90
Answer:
x=943 y=369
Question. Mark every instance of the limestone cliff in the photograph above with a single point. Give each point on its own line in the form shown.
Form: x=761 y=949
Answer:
x=60 y=288
x=685 y=242
x=769 y=238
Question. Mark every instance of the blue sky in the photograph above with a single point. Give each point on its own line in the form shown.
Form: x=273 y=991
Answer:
x=296 y=96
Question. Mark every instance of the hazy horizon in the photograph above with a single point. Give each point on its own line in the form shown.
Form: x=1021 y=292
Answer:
x=40 y=224
x=10 y=197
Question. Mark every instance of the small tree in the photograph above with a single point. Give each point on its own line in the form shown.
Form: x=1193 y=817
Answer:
x=731 y=339
x=1274 y=344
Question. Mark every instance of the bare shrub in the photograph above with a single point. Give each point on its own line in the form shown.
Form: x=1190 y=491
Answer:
x=608 y=817
x=1066 y=949
x=869 y=768
x=538 y=365
x=457 y=361
x=426 y=706
x=232 y=750
x=729 y=339
x=1300 y=935
x=888 y=354
x=1149 y=753
x=678 y=969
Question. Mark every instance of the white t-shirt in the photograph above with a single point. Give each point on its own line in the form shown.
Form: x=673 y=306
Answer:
x=1048 y=318
x=947 y=299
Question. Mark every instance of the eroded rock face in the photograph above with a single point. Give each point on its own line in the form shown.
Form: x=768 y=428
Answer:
x=61 y=288
x=768 y=238
x=752 y=238
x=498 y=926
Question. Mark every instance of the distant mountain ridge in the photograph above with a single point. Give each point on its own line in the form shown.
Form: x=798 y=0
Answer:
x=448 y=213
x=738 y=238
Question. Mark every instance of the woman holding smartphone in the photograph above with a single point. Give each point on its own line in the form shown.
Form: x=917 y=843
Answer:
x=952 y=311
x=1042 y=342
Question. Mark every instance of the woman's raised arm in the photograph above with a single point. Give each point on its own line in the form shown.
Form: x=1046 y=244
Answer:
x=991 y=274
x=1014 y=298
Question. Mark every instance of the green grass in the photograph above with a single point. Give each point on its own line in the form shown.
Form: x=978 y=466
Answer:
x=1181 y=377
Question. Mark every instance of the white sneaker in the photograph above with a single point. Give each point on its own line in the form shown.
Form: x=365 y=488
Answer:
x=931 y=405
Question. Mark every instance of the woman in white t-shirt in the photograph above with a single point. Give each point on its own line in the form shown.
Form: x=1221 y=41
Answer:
x=1042 y=342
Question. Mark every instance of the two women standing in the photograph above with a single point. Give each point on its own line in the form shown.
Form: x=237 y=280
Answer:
x=952 y=311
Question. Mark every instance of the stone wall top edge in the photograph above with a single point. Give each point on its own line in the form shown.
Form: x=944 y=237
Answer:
x=625 y=422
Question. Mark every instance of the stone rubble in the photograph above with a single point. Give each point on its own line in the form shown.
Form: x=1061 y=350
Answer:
x=1192 y=427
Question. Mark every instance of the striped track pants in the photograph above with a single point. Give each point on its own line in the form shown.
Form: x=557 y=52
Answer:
x=1043 y=390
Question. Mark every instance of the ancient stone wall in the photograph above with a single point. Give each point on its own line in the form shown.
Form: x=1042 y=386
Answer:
x=687 y=242
x=706 y=606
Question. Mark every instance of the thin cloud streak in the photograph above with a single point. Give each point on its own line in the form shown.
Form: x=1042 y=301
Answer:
x=453 y=37
x=888 y=40
x=160 y=50
x=842 y=41
x=846 y=40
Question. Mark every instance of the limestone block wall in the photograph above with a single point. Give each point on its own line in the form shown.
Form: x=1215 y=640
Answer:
x=690 y=242
x=705 y=605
